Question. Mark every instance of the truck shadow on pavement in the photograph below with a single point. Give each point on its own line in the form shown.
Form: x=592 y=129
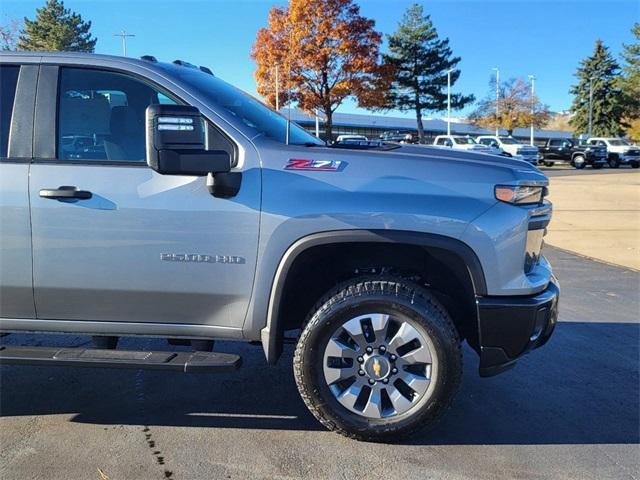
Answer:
x=582 y=388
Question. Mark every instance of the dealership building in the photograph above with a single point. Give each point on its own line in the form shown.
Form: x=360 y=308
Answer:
x=373 y=126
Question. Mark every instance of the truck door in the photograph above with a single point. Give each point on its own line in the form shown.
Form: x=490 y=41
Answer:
x=17 y=97
x=144 y=247
x=555 y=151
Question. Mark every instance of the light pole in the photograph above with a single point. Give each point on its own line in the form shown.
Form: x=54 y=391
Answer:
x=449 y=101
x=533 y=91
x=277 y=90
x=590 y=105
x=497 y=70
x=123 y=34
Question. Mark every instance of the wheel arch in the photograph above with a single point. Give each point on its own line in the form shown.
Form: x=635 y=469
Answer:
x=272 y=334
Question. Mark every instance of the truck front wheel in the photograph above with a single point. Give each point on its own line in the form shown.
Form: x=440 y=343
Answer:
x=579 y=162
x=378 y=359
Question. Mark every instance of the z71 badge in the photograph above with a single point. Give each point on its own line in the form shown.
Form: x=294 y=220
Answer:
x=315 y=165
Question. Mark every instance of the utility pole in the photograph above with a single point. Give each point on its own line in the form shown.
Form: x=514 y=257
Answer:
x=590 y=105
x=497 y=70
x=449 y=101
x=533 y=91
x=123 y=34
x=317 y=123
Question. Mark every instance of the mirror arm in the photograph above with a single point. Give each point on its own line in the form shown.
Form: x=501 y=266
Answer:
x=224 y=184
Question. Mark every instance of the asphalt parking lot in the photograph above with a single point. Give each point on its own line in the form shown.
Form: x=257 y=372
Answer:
x=569 y=410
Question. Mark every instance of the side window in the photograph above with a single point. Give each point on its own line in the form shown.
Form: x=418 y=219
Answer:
x=8 y=83
x=101 y=115
x=555 y=143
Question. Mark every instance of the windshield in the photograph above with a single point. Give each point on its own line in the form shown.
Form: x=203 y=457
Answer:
x=509 y=141
x=464 y=140
x=617 y=142
x=253 y=113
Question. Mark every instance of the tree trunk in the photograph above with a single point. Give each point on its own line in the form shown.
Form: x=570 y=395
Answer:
x=420 y=127
x=328 y=125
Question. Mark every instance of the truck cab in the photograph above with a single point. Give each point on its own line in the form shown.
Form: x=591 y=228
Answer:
x=460 y=142
x=511 y=147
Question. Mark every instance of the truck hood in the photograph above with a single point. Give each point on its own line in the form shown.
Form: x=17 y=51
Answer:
x=467 y=155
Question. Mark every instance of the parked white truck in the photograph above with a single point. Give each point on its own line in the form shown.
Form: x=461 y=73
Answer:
x=460 y=142
x=619 y=151
x=511 y=147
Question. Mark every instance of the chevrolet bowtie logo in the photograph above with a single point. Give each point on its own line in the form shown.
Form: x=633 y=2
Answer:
x=377 y=368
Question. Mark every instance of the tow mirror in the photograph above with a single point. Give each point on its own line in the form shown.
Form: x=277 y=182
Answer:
x=175 y=142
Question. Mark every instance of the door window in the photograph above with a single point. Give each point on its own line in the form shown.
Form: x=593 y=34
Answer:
x=8 y=83
x=101 y=115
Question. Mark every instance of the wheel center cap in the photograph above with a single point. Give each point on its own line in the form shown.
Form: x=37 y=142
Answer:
x=377 y=367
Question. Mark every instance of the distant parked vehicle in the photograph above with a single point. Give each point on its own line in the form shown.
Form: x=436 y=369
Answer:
x=460 y=142
x=619 y=151
x=570 y=151
x=398 y=136
x=351 y=139
x=511 y=147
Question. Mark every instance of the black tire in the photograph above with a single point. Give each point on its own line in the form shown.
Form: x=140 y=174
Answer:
x=581 y=164
x=393 y=296
x=614 y=161
x=549 y=164
x=635 y=164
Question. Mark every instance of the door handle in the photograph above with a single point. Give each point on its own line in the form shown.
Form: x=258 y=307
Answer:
x=65 y=192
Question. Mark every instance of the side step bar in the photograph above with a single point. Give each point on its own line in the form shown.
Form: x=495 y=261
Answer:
x=187 y=362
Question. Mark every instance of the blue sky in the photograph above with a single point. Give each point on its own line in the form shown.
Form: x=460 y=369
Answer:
x=546 y=38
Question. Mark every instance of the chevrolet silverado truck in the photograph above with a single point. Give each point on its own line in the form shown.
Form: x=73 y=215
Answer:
x=150 y=199
x=570 y=151
x=511 y=147
x=619 y=151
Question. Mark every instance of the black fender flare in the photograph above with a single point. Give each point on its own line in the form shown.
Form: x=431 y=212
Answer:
x=272 y=334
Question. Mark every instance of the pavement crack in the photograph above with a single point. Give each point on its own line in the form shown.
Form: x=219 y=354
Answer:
x=156 y=453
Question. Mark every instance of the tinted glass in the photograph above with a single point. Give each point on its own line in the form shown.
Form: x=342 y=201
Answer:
x=101 y=115
x=8 y=82
x=254 y=114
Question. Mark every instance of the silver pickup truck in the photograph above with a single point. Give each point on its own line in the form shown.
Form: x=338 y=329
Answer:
x=140 y=198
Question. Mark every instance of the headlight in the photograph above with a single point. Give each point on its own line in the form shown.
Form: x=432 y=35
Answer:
x=520 y=194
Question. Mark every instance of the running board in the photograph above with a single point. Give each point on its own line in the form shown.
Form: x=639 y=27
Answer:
x=188 y=362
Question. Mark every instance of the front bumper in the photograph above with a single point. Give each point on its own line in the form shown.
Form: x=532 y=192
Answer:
x=592 y=158
x=629 y=158
x=512 y=326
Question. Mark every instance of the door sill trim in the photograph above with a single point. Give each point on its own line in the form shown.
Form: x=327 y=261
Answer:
x=144 y=329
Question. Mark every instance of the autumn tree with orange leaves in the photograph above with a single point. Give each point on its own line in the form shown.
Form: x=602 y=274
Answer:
x=322 y=52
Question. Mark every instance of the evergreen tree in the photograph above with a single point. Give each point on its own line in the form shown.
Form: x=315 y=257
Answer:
x=630 y=85
x=421 y=61
x=56 y=28
x=603 y=72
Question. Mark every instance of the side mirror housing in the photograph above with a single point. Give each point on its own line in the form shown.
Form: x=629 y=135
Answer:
x=175 y=142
